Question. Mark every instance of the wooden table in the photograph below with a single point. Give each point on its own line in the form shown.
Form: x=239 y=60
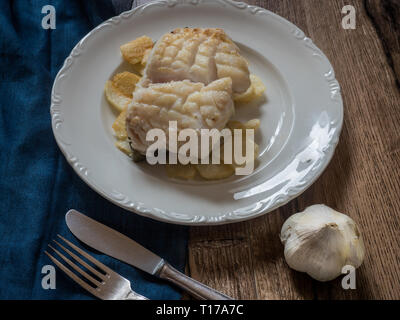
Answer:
x=245 y=260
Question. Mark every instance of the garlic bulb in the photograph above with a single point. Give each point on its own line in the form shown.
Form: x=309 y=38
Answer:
x=321 y=241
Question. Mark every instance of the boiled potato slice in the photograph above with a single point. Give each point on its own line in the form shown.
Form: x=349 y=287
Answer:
x=215 y=171
x=145 y=57
x=119 y=90
x=252 y=124
x=115 y=97
x=247 y=143
x=119 y=126
x=134 y=51
x=126 y=82
x=181 y=171
x=219 y=171
x=139 y=67
x=233 y=124
x=124 y=146
x=258 y=86
x=255 y=90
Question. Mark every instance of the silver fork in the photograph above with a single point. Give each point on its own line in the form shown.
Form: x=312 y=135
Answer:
x=112 y=286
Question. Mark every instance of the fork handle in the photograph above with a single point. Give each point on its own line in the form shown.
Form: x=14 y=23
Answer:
x=193 y=287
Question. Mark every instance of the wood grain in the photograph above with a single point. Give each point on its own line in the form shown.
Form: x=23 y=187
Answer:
x=385 y=17
x=245 y=260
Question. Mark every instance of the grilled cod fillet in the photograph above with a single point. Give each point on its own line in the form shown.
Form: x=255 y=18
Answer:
x=191 y=105
x=190 y=77
x=199 y=55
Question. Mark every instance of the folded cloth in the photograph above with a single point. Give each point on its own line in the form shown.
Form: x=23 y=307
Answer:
x=37 y=185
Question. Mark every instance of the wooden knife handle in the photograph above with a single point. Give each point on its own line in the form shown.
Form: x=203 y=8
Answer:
x=193 y=287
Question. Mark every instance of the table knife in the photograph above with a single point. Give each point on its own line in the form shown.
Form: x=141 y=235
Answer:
x=119 y=246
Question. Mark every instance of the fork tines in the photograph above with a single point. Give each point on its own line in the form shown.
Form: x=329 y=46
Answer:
x=91 y=284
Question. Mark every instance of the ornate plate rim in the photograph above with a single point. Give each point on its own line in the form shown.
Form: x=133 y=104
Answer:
x=177 y=218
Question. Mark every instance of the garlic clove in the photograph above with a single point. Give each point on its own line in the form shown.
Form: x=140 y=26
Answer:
x=321 y=241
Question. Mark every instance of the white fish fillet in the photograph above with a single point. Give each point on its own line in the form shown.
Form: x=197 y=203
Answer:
x=199 y=55
x=190 y=77
x=191 y=105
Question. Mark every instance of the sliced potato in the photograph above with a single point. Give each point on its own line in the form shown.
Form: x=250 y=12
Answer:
x=134 y=51
x=181 y=171
x=252 y=124
x=215 y=171
x=247 y=143
x=119 y=90
x=258 y=86
x=119 y=126
x=233 y=124
x=124 y=146
x=145 y=57
x=244 y=97
x=126 y=82
x=255 y=90
x=115 y=97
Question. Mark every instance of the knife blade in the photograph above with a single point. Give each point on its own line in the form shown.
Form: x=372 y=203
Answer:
x=119 y=246
x=112 y=242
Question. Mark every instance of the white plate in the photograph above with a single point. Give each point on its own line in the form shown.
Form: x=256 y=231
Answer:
x=301 y=117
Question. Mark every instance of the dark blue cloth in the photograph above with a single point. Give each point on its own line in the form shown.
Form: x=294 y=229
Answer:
x=37 y=185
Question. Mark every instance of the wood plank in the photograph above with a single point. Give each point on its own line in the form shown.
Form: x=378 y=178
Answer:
x=245 y=260
x=363 y=178
x=221 y=257
x=385 y=17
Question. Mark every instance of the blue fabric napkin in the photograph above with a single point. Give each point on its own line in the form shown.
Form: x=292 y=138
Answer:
x=37 y=185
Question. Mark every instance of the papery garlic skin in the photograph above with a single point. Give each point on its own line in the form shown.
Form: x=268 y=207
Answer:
x=321 y=241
